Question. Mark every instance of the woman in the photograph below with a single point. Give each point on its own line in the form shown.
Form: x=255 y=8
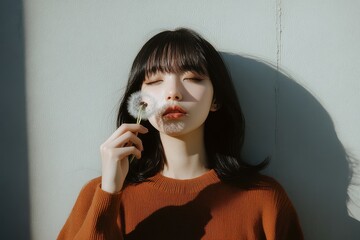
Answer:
x=189 y=180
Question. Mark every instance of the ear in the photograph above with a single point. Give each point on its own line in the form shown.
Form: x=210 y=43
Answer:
x=214 y=106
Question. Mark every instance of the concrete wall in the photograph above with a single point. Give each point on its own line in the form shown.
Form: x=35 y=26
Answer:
x=14 y=172
x=294 y=64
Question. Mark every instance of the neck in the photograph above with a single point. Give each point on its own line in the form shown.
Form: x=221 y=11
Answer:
x=185 y=155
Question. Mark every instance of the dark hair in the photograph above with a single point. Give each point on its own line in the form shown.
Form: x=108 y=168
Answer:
x=185 y=50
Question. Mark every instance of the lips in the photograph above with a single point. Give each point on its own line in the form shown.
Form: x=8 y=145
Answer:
x=174 y=112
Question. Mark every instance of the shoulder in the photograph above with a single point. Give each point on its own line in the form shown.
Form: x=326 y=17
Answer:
x=85 y=197
x=257 y=182
x=274 y=196
x=92 y=184
x=270 y=183
x=279 y=215
x=89 y=188
x=91 y=193
x=263 y=189
x=272 y=187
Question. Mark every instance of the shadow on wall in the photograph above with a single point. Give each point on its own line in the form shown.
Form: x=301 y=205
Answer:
x=285 y=121
x=14 y=201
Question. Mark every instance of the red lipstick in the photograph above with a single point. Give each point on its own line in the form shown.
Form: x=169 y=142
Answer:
x=174 y=112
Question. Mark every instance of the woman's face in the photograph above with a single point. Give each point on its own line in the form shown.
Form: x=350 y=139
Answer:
x=183 y=101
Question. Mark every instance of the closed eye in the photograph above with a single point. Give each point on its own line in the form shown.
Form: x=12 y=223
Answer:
x=154 y=82
x=194 y=79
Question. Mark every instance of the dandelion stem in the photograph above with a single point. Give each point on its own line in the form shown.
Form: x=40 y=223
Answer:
x=142 y=107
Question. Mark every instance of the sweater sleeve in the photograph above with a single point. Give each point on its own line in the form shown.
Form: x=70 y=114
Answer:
x=94 y=215
x=280 y=219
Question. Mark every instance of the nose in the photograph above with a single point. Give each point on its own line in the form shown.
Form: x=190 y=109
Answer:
x=173 y=91
x=174 y=94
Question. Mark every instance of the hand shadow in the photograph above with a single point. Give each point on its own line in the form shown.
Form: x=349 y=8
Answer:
x=285 y=121
x=186 y=221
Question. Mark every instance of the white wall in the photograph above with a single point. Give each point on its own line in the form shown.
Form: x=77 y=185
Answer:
x=78 y=56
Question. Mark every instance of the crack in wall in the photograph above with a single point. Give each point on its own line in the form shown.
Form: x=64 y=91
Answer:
x=278 y=62
x=278 y=33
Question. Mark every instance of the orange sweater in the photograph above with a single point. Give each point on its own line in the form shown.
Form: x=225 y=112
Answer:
x=199 y=208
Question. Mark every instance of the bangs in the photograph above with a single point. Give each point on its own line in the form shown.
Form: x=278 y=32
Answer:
x=176 y=55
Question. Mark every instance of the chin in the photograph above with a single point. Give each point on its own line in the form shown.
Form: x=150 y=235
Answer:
x=174 y=128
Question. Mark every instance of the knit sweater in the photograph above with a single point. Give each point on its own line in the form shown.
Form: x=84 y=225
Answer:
x=199 y=208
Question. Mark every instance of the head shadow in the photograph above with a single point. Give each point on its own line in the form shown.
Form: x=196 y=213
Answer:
x=285 y=121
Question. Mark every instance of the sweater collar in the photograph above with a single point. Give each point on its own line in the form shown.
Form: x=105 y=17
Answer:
x=184 y=186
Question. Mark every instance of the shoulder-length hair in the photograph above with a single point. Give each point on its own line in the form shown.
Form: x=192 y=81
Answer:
x=185 y=50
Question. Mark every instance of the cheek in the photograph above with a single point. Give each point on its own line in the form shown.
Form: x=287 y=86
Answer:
x=206 y=96
x=201 y=93
x=202 y=108
x=155 y=95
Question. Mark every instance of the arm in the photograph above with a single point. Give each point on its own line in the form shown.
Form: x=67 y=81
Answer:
x=94 y=215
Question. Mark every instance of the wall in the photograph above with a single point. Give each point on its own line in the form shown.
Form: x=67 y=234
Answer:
x=14 y=174
x=294 y=64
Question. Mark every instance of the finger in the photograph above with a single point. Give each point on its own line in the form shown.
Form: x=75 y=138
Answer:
x=128 y=127
x=127 y=139
x=127 y=151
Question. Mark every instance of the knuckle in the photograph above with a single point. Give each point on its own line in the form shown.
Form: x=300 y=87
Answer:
x=129 y=135
x=103 y=147
x=124 y=125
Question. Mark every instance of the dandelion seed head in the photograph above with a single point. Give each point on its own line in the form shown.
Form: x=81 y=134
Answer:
x=139 y=101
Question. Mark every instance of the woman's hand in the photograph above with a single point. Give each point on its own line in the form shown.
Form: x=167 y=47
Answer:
x=114 y=155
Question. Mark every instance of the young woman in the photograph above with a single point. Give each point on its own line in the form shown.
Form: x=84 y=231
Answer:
x=188 y=180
